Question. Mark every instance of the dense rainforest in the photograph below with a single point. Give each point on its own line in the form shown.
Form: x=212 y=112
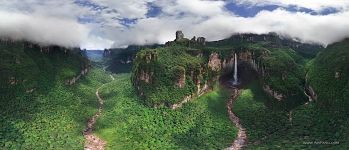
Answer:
x=174 y=96
x=293 y=95
x=190 y=67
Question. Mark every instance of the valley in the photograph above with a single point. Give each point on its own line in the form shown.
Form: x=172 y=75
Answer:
x=245 y=92
x=174 y=75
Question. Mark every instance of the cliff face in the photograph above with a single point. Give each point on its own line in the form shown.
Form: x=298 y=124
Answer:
x=328 y=77
x=215 y=63
x=166 y=76
x=151 y=75
x=273 y=93
x=175 y=74
x=26 y=67
x=82 y=73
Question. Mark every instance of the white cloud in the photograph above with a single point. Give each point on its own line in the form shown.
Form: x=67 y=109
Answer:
x=194 y=7
x=44 y=22
x=316 y=5
x=309 y=28
x=42 y=29
x=56 y=22
x=218 y=23
x=131 y=9
x=94 y=42
x=54 y=8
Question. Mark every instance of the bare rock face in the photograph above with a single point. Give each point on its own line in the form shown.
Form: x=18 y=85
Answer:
x=201 y=85
x=337 y=75
x=202 y=90
x=106 y=52
x=228 y=63
x=193 y=39
x=312 y=93
x=28 y=45
x=45 y=49
x=149 y=57
x=272 y=93
x=30 y=90
x=180 y=76
x=188 y=98
x=201 y=41
x=245 y=56
x=7 y=41
x=145 y=76
x=181 y=79
x=179 y=35
x=13 y=81
x=185 y=100
x=215 y=62
x=83 y=72
x=71 y=81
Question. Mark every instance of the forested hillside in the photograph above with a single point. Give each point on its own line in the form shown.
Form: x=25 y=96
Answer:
x=288 y=97
x=298 y=98
x=329 y=77
x=186 y=68
x=41 y=107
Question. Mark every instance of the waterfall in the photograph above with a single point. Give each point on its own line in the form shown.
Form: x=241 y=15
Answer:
x=235 y=70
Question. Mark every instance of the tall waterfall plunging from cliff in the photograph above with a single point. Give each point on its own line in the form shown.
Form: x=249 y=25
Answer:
x=235 y=82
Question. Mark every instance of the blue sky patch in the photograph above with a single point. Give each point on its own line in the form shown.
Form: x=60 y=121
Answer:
x=244 y=10
x=127 y=22
x=153 y=10
x=247 y=10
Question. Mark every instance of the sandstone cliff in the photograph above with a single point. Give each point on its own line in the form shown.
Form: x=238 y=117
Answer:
x=178 y=73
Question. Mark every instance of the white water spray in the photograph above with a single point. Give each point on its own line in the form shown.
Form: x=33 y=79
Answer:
x=235 y=70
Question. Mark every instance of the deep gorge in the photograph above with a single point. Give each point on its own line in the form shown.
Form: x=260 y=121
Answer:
x=178 y=90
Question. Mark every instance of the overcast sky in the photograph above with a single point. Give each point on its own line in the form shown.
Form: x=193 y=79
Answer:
x=99 y=24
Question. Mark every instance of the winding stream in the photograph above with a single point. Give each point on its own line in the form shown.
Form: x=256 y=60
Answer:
x=92 y=141
x=241 y=139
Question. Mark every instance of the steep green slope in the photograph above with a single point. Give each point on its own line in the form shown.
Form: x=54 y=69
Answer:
x=321 y=124
x=270 y=40
x=126 y=123
x=165 y=66
x=329 y=76
x=27 y=68
x=120 y=59
x=285 y=75
x=308 y=128
x=38 y=111
x=166 y=76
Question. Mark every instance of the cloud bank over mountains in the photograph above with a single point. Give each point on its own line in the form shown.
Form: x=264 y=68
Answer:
x=99 y=24
x=42 y=29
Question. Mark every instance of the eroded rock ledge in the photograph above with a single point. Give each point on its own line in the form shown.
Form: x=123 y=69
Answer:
x=82 y=73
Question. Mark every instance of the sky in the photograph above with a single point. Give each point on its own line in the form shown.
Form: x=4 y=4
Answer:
x=99 y=24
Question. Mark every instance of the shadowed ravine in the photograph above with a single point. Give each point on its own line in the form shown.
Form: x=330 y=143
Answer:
x=241 y=139
x=92 y=141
